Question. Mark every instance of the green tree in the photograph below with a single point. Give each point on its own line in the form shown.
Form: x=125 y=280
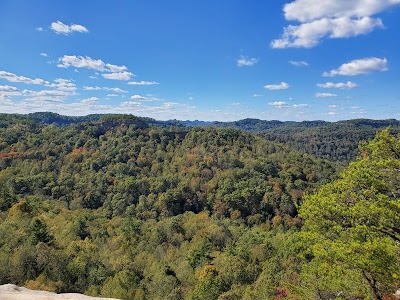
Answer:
x=353 y=224
x=39 y=232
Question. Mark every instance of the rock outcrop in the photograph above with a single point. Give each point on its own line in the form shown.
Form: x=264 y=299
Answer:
x=13 y=292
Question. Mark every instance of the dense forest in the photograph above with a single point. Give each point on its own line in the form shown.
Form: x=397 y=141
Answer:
x=134 y=208
x=336 y=141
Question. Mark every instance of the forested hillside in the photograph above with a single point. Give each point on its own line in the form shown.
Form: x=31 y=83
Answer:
x=337 y=141
x=163 y=209
x=116 y=207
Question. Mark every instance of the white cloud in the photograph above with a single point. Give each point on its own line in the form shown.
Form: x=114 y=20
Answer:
x=61 y=28
x=324 y=95
x=44 y=54
x=279 y=104
x=39 y=28
x=339 y=85
x=94 y=64
x=273 y=87
x=359 y=66
x=22 y=79
x=145 y=98
x=90 y=100
x=309 y=10
x=112 y=95
x=59 y=83
x=118 y=76
x=329 y=18
x=299 y=63
x=114 y=68
x=8 y=89
x=332 y=106
x=142 y=82
x=257 y=95
x=64 y=84
x=138 y=97
x=332 y=113
x=282 y=104
x=308 y=35
x=244 y=61
x=116 y=72
x=46 y=95
x=300 y=105
x=98 y=88
x=81 y=62
x=131 y=103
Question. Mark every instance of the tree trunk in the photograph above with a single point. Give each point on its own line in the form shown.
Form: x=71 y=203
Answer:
x=373 y=286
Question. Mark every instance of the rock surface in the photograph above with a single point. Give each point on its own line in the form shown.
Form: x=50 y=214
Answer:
x=13 y=292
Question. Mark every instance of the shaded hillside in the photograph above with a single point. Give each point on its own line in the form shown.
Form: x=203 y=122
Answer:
x=256 y=125
x=334 y=141
x=337 y=141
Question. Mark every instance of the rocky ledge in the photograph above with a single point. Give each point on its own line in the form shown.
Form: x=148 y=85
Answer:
x=13 y=292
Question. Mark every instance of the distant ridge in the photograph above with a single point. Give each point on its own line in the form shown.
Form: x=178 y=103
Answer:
x=337 y=141
x=249 y=124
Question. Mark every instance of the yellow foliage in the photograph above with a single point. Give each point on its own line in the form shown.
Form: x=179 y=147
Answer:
x=43 y=283
x=18 y=209
x=208 y=270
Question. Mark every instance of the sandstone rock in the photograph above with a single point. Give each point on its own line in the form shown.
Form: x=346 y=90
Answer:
x=13 y=292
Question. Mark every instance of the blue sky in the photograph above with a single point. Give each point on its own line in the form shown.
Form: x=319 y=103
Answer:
x=208 y=60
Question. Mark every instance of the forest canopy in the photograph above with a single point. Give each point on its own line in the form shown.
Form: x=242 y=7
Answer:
x=178 y=212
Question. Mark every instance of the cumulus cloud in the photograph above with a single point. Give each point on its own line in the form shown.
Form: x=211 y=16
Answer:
x=325 y=95
x=282 y=104
x=145 y=98
x=114 y=68
x=61 y=28
x=118 y=76
x=309 y=10
x=359 y=66
x=117 y=72
x=138 y=97
x=308 y=35
x=90 y=100
x=59 y=83
x=244 y=61
x=44 y=54
x=278 y=103
x=102 y=88
x=299 y=63
x=46 y=95
x=329 y=18
x=81 y=62
x=274 y=87
x=339 y=85
x=300 y=105
x=131 y=104
x=22 y=79
x=64 y=84
x=142 y=82
x=8 y=89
